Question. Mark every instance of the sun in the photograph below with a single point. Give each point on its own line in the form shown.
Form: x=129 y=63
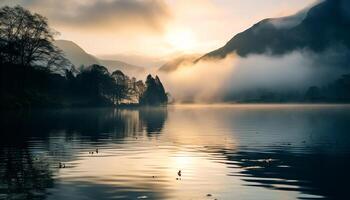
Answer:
x=181 y=40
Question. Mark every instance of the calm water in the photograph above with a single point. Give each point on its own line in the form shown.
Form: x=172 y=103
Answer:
x=224 y=152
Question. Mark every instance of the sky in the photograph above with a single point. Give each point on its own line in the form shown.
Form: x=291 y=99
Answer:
x=155 y=28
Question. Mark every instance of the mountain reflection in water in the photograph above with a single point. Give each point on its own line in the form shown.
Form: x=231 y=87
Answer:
x=223 y=151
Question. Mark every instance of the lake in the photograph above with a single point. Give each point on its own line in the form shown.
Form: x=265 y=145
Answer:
x=223 y=151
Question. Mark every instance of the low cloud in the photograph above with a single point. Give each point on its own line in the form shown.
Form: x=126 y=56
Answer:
x=291 y=21
x=229 y=78
x=101 y=14
x=201 y=82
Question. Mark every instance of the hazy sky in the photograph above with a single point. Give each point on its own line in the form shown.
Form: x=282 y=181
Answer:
x=155 y=27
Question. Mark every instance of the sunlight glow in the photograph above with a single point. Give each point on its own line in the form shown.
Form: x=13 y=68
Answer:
x=182 y=160
x=181 y=39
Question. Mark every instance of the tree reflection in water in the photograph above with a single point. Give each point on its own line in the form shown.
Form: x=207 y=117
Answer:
x=27 y=173
x=299 y=152
x=22 y=176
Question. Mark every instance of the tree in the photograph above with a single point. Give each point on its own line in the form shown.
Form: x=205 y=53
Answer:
x=120 y=89
x=313 y=94
x=154 y=93
x=26 y=39
x=96 y=84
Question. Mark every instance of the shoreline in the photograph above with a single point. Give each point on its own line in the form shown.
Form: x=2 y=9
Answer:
x=213 y=105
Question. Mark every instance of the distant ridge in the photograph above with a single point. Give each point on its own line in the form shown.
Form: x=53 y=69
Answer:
x=78 y=56
x=123 y=66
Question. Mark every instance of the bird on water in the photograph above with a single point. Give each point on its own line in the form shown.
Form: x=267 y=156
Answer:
x=179 y=173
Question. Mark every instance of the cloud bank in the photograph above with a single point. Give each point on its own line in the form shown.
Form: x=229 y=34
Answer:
x=235 y=77
x=100 y=14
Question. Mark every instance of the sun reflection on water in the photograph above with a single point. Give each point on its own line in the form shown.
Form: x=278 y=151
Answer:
x=223 y=152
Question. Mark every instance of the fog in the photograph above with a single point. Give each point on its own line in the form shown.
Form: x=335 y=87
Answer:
x=201 y=82
x=220 y=80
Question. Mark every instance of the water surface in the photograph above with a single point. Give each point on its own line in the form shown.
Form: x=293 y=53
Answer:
x=223 y=151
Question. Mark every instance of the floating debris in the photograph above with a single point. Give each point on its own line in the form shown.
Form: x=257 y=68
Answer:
x=61 y=165
x=179 y=173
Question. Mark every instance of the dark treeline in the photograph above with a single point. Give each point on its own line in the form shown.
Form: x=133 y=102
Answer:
x=35 y=73
x=337 y=91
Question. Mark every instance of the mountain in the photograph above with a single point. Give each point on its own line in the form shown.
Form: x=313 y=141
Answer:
x=113 y=65
x=79 y=57
x=136 y=59
x=324 y=25
x=76 y=54
x=174 y=64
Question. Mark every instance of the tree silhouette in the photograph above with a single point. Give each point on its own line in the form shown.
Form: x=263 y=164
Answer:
x=97 y=84
x=26 y=39
x=34 y=72
x=155 y=93
x=120 y=88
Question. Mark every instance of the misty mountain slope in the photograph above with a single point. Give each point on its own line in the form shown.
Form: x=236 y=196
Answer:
x=79 y=57
x=174 y=64
x=76 y=54
x=125 y=67
x=324 y=25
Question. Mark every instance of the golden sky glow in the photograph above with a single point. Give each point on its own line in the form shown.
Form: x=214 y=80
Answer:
x=156 y=28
